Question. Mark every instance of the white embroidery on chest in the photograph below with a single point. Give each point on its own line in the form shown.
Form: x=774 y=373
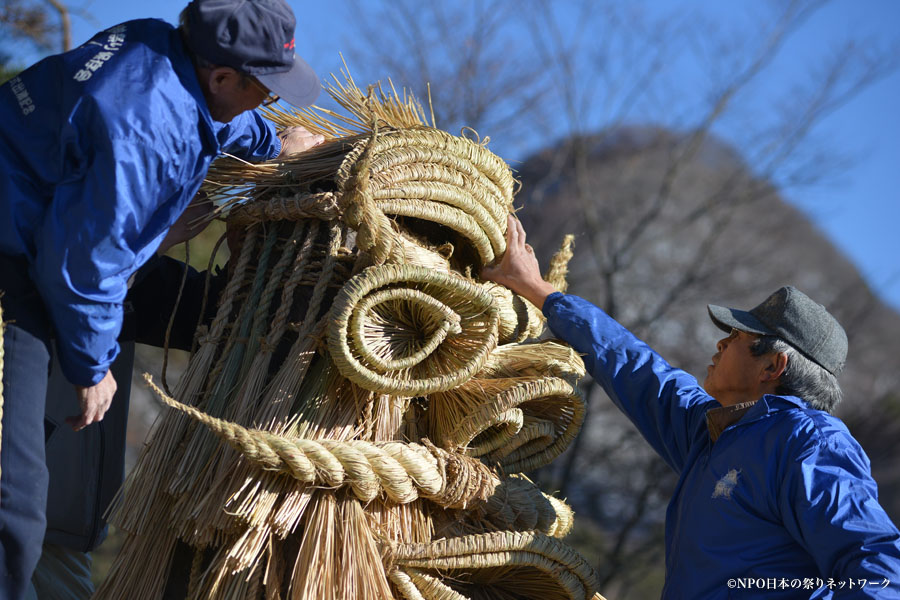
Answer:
x=726 y=485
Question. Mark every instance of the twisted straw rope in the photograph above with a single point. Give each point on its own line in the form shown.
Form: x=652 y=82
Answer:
x=403 y=471
x=321 y=206
x=459 y=318
x=375 y=234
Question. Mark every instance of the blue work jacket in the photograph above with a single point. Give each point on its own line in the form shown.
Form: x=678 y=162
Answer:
x=780 y=505
x=101 y=150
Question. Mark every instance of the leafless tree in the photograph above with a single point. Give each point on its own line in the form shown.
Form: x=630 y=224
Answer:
x=31 y=20
x=630 y=112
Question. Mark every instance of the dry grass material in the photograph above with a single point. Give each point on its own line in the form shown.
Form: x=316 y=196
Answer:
x=518 y=423
x=300 y=461
x=535 y=359
x=559 y=264
x=410 y=331
x=387 y=164
x=493 y=562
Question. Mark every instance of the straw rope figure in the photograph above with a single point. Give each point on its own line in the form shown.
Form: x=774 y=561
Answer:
x=355 y=419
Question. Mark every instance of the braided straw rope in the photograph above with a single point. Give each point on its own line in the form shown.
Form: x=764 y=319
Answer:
x=480 y=415
x=461 y=559
x=432 y=334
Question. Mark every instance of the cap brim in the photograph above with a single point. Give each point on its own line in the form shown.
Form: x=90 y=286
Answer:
x=727 y=319
x=299 y=86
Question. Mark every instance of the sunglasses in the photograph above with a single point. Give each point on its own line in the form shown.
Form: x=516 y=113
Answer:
x=270 y=97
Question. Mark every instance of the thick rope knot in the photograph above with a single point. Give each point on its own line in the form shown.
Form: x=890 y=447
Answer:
x=409 y=330
x=465 y=480
x=203 y=336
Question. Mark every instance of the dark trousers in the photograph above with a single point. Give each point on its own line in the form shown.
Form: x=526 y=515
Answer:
x=23 y=478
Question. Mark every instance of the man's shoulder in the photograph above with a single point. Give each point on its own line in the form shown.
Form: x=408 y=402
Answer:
x=807 y=430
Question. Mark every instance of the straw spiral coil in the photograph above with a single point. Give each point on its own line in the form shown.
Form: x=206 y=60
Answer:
x=473 y=559
x=518 y=423
x=519 y=319
x=410 y=331
x=426 y=174
x=534 y=359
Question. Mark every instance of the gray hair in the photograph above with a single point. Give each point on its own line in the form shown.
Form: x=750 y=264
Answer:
x=802 y=377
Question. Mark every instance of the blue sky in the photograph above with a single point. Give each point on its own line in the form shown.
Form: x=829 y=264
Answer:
x=859 y=209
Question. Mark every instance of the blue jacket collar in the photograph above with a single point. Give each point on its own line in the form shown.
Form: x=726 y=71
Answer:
x=722 y=417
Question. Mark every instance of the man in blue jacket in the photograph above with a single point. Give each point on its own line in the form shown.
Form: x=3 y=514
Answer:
x=775 y=498
x=101 y=149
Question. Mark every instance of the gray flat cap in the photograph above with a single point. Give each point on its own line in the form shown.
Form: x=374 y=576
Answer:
x=792 y=316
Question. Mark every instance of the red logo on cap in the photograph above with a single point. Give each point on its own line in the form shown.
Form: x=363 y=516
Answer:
x=289 y=45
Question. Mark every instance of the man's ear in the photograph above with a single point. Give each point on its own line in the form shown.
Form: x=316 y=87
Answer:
x=777 y=363
x=220 y=79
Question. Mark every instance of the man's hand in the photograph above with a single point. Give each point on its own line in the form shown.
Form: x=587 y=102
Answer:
x=519 y=269
x=94 y=401
x=182 y=230
x=298 y=139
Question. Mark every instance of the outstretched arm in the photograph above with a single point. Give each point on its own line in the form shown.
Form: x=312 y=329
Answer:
x=665 y=404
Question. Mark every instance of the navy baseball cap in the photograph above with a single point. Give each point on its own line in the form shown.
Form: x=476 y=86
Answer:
x=795 y=318
x=257 y=38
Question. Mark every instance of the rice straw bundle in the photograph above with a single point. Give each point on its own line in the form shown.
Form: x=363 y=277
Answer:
x=359 y=394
